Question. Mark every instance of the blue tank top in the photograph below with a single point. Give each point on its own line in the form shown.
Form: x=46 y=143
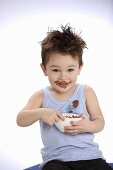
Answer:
x=65 y=147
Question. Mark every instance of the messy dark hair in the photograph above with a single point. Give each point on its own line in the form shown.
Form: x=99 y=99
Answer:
x=65 y=42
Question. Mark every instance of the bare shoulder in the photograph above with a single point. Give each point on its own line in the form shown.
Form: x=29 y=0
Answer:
x=88 y=88
x=37 y=96
x=91 y=98
x=35 y=100
x=89 y=92
x=92 y=103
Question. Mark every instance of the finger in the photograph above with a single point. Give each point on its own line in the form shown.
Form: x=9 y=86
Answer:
x=61 y=116
x=71 y=132
x=50 y=123
x=78 y=123
x=72 y=128
x=83 y=115
x=69 y=128
x=52 y=120
x=74 y=123
x=57 y=119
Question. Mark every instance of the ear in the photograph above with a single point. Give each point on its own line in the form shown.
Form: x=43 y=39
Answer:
x=43 y=69
x=80 y=68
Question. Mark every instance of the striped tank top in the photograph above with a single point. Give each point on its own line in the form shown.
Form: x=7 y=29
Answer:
x=65 y=147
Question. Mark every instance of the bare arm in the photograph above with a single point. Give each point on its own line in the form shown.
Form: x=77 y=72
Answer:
x=94 y=123
x=33 y=112
x=96 y=116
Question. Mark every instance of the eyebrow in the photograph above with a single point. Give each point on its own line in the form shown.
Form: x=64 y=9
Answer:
x=73 y=65
x=54 y=66
x=57 y=66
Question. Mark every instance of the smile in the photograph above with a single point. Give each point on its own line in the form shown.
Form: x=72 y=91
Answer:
x=62 y=84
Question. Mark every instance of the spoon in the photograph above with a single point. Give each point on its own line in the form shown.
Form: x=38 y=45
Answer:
x=68 y=108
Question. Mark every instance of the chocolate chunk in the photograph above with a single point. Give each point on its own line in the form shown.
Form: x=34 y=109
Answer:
x=75 y=103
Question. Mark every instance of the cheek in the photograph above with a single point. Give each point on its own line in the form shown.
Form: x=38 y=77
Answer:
x=52 y=77
x=73 y=77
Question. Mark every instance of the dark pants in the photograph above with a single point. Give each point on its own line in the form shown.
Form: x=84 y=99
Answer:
x=95 y=164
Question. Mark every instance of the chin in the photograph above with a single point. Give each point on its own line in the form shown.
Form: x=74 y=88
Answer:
x=62 y=90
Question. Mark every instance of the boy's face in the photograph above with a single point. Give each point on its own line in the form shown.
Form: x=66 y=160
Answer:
x=62 y=71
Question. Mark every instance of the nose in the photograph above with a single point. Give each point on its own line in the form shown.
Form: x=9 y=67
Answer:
x=62 y=75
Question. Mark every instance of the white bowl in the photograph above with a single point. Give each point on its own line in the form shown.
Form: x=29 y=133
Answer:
x=68 y=118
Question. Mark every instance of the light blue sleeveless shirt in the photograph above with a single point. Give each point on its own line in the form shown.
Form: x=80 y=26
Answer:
x=65 y=147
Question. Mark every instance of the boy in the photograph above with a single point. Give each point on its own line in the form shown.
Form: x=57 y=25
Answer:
x=74 y=149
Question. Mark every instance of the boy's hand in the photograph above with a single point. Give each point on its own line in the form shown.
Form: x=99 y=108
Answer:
x=81 y=126
x=50 y=116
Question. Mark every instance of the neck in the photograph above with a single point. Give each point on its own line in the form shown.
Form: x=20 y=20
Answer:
x=64 y=95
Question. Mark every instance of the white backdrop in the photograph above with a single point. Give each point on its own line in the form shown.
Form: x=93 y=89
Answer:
x=23 y=24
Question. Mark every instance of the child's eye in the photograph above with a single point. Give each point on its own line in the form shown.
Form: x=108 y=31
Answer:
x=70 y=70
x=55 y=70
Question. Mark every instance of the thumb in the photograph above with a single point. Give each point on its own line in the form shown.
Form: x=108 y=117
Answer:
x=61 y=116
x=83 y=115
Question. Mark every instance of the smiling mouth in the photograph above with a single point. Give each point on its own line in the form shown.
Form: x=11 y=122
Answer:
x=62 y=84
